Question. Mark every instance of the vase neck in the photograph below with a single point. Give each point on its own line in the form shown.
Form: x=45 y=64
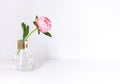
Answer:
x=22 y=44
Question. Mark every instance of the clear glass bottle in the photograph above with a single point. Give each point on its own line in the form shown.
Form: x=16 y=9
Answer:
x=23 y=59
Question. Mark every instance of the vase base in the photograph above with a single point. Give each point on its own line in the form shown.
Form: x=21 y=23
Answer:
x=23 y=67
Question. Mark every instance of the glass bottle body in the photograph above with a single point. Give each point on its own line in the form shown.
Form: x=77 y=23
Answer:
x=23 y=60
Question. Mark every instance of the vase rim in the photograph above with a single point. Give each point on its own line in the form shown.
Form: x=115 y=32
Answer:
x=22 y=40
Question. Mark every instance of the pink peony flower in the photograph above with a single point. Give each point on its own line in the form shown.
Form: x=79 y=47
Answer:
x=43 y=24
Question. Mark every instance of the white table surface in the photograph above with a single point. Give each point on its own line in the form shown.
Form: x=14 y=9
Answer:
x=64 y=72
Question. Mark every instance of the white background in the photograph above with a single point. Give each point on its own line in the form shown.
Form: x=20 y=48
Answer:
x=81 y=29
x=85 y=42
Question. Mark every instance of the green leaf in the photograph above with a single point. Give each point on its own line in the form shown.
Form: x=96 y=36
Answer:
x=48 y=34
x=25 y=29
x=23 y=26
x=28 y=29
x=26 y=32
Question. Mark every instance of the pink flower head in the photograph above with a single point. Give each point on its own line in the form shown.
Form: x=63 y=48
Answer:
x=43 y=24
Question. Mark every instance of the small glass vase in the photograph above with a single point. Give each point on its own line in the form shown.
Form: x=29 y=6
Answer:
x=23 y=59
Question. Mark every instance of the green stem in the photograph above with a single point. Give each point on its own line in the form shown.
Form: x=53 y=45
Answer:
x=18 y=51
x=26 y=38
